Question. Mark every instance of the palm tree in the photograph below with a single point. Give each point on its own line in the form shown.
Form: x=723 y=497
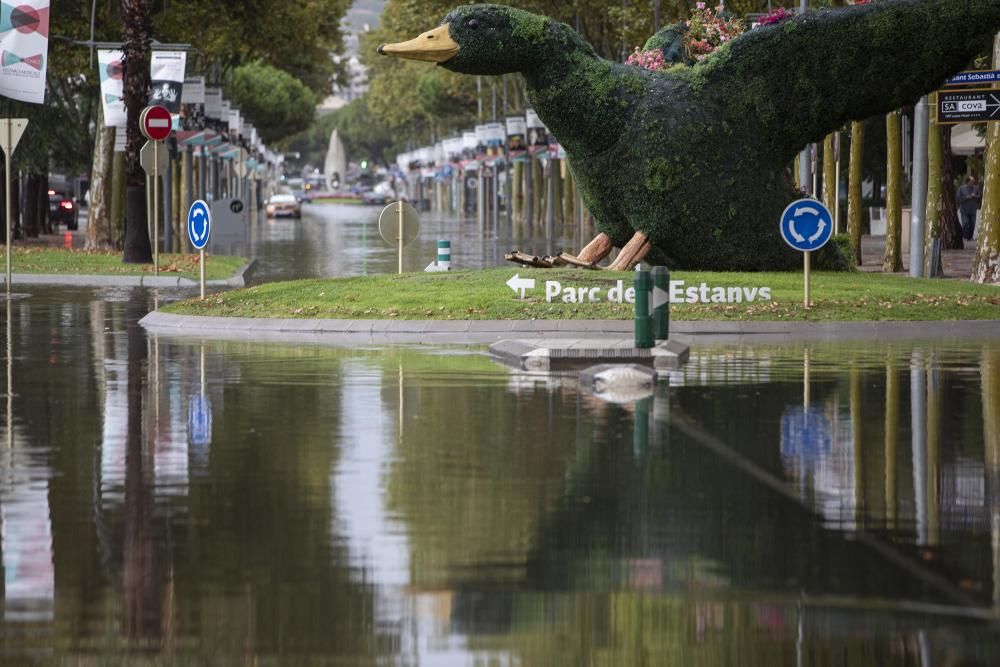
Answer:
x=136 y=30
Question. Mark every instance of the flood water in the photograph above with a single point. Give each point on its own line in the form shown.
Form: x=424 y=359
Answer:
x=338 y=240
x=174 y=501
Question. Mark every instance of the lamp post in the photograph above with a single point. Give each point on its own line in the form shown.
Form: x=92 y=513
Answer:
x=805 y=178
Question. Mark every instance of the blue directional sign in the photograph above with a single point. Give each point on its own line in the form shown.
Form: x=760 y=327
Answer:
x=806 y=225
x=974 y=77
x=199 y=224
x=200 y=420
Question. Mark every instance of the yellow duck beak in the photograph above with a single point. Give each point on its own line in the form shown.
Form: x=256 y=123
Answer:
x=434 y=46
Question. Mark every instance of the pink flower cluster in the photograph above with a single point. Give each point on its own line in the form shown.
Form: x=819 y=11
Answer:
x=707 y=31
x=776 y=16
x=648 y=59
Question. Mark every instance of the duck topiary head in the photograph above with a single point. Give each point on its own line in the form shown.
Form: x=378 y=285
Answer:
x=482 y=39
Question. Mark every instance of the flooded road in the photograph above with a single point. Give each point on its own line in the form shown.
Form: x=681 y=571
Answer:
x=169 y=501
x=338 y=240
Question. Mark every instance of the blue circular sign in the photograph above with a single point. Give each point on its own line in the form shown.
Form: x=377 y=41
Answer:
x=199 y=224
x=806 y=225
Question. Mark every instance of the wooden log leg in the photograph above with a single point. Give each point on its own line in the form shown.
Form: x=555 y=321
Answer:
x=597 y=249
x=633 y=253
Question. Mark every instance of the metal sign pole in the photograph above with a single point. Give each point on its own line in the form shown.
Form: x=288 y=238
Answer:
x=6 y=173
x=156 y=211
x=400 y=236
x=201 y=271
x=805 y=301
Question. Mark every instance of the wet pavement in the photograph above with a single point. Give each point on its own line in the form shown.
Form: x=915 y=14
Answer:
x=167 y=501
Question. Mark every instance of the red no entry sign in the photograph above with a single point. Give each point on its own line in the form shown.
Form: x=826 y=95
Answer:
x=155 y=123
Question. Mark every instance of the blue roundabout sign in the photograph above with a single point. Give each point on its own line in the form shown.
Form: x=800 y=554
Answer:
x=806 y=225
x=199 y=224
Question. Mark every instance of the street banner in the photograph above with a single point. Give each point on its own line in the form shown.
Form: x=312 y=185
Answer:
x=213 y=102
x=495 y=135
x=24 y=50
x=109 y=65
x=234 y=120
x=538 y=136
x=194 y=90
x=516 y=134
x=167 y=74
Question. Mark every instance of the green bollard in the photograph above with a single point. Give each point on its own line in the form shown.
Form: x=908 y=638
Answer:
x=643 y=322
x=661 y=314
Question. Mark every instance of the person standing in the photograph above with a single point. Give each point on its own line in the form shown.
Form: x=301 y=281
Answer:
x=969 y=196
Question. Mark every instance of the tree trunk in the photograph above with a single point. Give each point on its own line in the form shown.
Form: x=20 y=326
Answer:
x=42 y=202
x=117 y=205
x=32 y=219
x=98 y=235
x=830 y=174
x=516 y=193
x=892 y=260
x=951 y=228
x=136 y=29
x=854 y=188
x=986 y=266
x=936 y=186
x=538 y=189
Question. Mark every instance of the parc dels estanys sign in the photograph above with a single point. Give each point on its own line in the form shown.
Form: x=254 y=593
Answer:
x=678 y=292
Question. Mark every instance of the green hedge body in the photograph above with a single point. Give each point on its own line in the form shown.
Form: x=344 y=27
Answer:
x=697 y=157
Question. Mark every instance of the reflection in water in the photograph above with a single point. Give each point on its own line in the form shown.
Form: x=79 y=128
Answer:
x=240 y=502
x=29 y=577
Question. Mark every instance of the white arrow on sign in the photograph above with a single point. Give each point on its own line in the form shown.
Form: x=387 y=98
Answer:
x=660 y=297
x=519 y=284
x=806 y=210
x=199 y=213
x=795 y=235
x=819 y=232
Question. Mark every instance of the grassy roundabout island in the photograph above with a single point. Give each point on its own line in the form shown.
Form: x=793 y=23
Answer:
x=485 y=295
x=59 y=261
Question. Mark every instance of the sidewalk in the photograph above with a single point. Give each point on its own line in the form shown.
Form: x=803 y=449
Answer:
x=957 y=264
x=363 y=333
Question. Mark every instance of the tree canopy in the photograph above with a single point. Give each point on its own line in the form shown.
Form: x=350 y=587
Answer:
x=276 y=102
x=297 y=37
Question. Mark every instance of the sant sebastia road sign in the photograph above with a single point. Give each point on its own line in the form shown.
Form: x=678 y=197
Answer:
x=968 y=106
x=974 y=77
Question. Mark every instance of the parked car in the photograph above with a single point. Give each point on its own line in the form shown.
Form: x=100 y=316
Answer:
x=62 y=210
x=283 y=204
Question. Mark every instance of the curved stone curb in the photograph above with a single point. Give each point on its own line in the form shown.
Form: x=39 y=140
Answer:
x=239 y=279
x=354 y=332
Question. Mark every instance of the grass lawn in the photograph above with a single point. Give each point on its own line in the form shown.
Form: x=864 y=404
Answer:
x=484 y=295
x=79 y=262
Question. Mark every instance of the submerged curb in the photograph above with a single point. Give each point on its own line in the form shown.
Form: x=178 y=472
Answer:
x=240 y=279
x=355 y=332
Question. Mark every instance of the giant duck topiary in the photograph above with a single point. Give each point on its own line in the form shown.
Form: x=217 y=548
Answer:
x=693 y=163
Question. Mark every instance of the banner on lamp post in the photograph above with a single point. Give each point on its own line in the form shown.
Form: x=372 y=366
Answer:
x=112 y=71
x=167 y=75
x=194 y=90
x=24 y=50
x=213 y=102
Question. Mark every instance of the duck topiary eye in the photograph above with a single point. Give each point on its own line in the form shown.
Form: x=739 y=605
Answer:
x=472 y=23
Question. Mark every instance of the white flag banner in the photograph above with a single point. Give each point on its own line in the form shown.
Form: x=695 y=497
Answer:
x=194 y=90
x=234 y=120
x=109 y=63
x=213 y=102
x=167 y=74
x=24 y=49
